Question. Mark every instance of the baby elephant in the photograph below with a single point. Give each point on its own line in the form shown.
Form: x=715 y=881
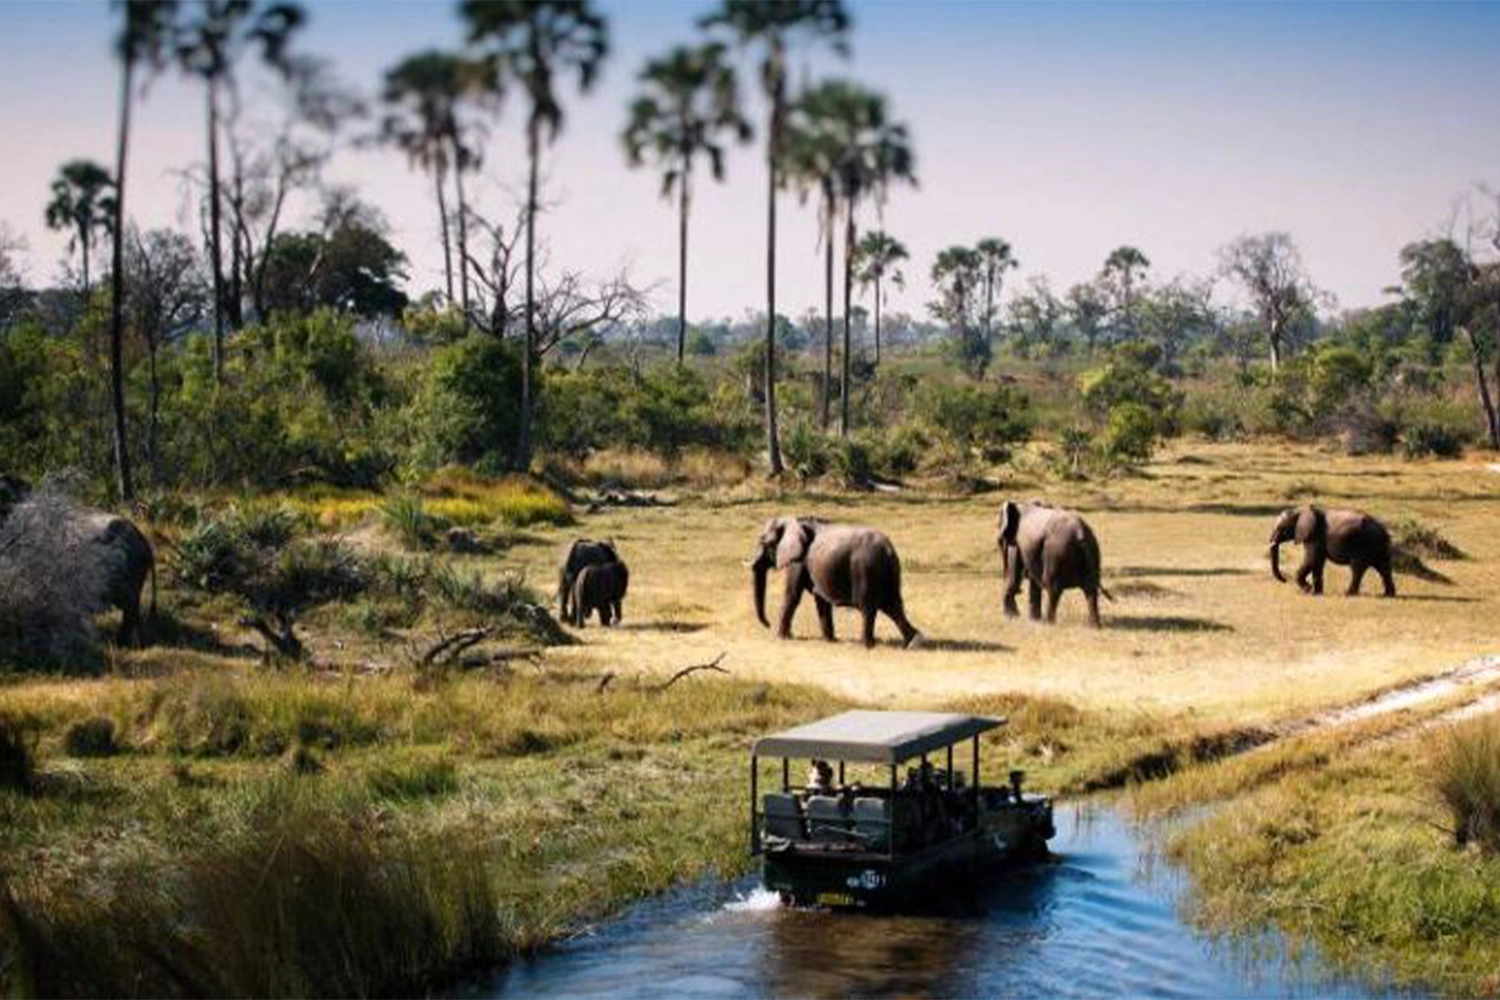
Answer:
x=600 y=588
x=1347 y=537
x=1052 y=550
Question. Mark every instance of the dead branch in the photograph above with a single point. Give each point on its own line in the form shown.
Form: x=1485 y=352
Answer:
x=604 y=682
x=449 y=647
x=685 y=671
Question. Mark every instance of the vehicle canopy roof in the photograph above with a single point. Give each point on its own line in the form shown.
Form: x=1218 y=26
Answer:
x=875 y=737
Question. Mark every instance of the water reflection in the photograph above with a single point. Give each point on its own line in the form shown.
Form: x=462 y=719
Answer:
x=1101 y=920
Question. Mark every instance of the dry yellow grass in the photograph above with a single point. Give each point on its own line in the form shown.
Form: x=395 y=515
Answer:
x=1199 y=626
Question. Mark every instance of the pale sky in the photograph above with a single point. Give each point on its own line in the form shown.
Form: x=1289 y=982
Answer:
x=1067 y=129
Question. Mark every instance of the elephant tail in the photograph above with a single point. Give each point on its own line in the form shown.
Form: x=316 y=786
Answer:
x=1105 y=591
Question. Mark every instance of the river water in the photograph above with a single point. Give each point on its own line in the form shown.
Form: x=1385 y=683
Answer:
x=1101 y=920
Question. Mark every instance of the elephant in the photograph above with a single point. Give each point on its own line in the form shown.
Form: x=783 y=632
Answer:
x=130 y=557
x=1348 y=537
x=582 y=553
x=112 y=552
x=841 y=564
x=601 y=588
x=1054 y=550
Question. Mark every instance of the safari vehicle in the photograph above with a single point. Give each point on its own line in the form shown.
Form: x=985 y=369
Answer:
x=891 y=843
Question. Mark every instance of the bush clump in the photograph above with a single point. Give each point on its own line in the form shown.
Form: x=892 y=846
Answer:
x=1467 y=780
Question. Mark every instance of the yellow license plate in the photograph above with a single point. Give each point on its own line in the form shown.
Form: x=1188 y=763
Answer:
x=835 y=899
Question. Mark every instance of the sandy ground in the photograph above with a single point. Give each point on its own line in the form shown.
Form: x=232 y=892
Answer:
x=1199 y=625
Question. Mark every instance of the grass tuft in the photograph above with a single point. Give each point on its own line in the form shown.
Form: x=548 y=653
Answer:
x=17 y=767
x=1467 y=779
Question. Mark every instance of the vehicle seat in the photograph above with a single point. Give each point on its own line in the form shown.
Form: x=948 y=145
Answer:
x=782 y=817
x=872 y=823
x=825 y=820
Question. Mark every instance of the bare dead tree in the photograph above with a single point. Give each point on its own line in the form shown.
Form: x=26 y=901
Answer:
x=1270 y=269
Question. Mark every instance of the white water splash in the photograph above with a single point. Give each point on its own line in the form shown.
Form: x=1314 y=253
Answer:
x=757 y=900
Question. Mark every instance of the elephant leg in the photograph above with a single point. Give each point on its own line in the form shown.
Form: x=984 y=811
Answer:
x=130 y=625
x=825 y=616
x=1012 y=587
x=789 y=604
x=619 y=611
x=1034 y=599
x=1356 y=576
x=1384 y=569
x=1053 y=594
x=895 y=610
x=1092 y=596
x=867 y=625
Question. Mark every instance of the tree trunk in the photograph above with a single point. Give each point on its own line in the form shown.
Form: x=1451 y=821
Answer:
x=124 y=483
x=440 y=180
x=685 y=198
x=844 y=385
x=153 y=420
x=1275 y=350
x=533 y=154
x=1492 y=428
x=463 y=233
x=773 y=150
x=83 y=246
x=989 y=306
x=877 y=319
x=214 y=223
x=828 y=216
x=236 y=256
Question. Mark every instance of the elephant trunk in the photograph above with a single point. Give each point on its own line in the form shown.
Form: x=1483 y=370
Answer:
x=758 y=571
x=1276 y=561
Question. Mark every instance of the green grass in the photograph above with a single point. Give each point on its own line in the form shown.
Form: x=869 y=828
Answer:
x=1467 y=779
x=1357 y=857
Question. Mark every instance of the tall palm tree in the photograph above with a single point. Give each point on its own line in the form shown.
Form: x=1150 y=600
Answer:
x=955 y=272
x=83 y=204
x=878 y=257
x=424 y=95
x=143 y=39
x=1123 y=268
x=530 y=42
x=773 y=28
x=810 y=165
x=864 y=152
x=689 y=98
x=209 y=46
x=996 y=258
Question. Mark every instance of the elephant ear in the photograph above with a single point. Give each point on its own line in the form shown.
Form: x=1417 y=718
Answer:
x=795 y=539
x=1312 y=524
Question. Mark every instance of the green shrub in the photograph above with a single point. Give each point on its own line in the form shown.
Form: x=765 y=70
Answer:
x=468 y=411
x=1131 y=434
x=1421 y=539
x=1126 y=380
x=896 y=452
x=1466 y=777
x=91 y=738
x=1433 y=438
x=850 y=461
x=974 y=418
x=1216 y=415
x=804 y=449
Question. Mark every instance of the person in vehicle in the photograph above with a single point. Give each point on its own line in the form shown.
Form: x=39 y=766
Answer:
x=820 y=778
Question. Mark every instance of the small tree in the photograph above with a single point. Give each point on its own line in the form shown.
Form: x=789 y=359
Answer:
x=1121 y=276
x=996 y=258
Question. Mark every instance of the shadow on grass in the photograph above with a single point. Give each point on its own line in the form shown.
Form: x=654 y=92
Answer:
x=167 y=630
x=963 y=646
x=1128 y=572
x=1437 y=598
x=1165 y=623
x=663 y=625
